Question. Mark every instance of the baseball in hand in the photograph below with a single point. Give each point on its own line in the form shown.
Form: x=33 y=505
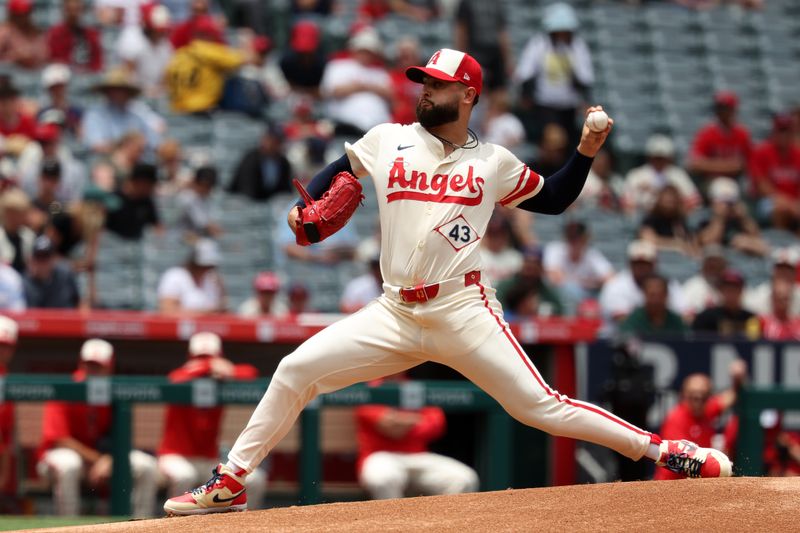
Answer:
x=597 y=121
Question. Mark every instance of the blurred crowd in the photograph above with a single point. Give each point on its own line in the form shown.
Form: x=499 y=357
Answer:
x=74 y=167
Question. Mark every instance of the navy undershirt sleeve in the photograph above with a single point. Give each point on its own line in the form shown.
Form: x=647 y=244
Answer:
x=322 y=181
x=562 y=188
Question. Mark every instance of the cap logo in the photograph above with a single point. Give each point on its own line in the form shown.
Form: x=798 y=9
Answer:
x=466 y=76
x=435 y=57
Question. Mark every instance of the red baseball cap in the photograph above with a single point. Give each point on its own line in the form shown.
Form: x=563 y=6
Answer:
x=206 y=28
x=450 y=65
x=155 y=16
x=726 y=98
x=305 y=36
x=782 y=122
x=20 y=7
x=266 y=281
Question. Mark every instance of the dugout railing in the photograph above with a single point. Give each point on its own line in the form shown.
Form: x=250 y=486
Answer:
x=122 y=392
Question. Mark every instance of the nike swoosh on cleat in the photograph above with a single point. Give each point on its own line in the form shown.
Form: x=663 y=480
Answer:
x=217 y=499
x=401 y=147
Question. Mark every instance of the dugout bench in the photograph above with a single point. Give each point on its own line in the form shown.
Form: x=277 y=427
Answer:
x=122 y=392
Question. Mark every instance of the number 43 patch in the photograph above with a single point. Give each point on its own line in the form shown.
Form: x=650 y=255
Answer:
x=458 y=233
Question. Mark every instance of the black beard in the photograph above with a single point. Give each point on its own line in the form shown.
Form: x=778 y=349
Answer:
x=436 y=115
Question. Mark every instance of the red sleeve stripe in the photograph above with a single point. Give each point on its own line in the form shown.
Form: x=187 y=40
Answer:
x=533 y=183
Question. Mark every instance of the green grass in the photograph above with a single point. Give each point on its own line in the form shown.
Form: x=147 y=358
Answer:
x=9 y=523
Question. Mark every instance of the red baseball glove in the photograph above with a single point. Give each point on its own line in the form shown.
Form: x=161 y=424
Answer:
x=320 y=219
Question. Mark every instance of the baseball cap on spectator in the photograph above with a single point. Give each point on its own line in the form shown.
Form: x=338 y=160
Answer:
x=9 y=331
x=732 y=277
x=55 y=74
x=97 y=351
x=206 y=175
x=266 y=282
x=305 y=36
x=51 y=168
x=20 y=7
x=42 y=247
x=785 y=256
x=47 y=133
x=559 y=17
x=723 y=189
x=205 y=343
x=206 y=28
x=659 y=146
x=642 y=251
x=726 y=99
x=450 y=65
x=119 y=78
x=262 y=44
x=366 y=39
x=155 y=16
x=206 y=253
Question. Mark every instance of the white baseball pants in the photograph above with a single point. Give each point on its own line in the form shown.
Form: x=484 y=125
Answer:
x=388 y=475
x=465 y=331
x=65 y=469
x=185 y=473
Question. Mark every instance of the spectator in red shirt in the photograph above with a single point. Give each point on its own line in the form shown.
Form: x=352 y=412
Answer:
x=21 y=42
x=8 y=344
x=721 y=147
x=73 y=43
x=76 y=443
x=393 y=455
x=406 y=92
x=694 y=418
x=189 y=447
x=13 y=121
x=779 y=325
x=775 y=171
x=199 y=22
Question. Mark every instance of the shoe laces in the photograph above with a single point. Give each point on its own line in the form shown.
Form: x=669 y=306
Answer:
x=681 y=463
x=208 y=485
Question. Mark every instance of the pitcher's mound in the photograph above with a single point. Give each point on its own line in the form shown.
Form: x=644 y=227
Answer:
x=733 y=504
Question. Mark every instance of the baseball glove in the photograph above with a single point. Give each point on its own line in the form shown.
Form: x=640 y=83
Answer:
x=320 y=219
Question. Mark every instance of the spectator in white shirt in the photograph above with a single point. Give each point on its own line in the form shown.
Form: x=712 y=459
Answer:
x=577 y=269
x=623 y=293
x=555 y=71
x=146 y=48
x=362 y=290
x=500 y=258
x=358 y=89
x=12 y=293
x=784 y=267
x=702 y=290
x=196 y=287
x=502 y=127
x=197 y=215
x=265 y=301
x=643 y=183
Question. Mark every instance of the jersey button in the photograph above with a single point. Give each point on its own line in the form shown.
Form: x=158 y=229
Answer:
x=420 y=244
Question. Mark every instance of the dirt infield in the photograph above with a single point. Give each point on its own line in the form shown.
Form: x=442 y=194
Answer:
x=738 y=504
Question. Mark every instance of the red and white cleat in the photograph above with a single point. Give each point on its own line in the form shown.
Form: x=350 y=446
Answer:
x=224 y=492
x=687 y=458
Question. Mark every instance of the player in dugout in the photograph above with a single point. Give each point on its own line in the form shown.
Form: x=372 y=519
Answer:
x=437 y=186
x=190 y=442
x=76 y=443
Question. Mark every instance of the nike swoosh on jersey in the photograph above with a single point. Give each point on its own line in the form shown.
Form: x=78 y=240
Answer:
x=217 y=499
x=401 y=147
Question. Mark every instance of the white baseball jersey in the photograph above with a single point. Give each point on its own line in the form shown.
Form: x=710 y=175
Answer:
x=435 y=208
